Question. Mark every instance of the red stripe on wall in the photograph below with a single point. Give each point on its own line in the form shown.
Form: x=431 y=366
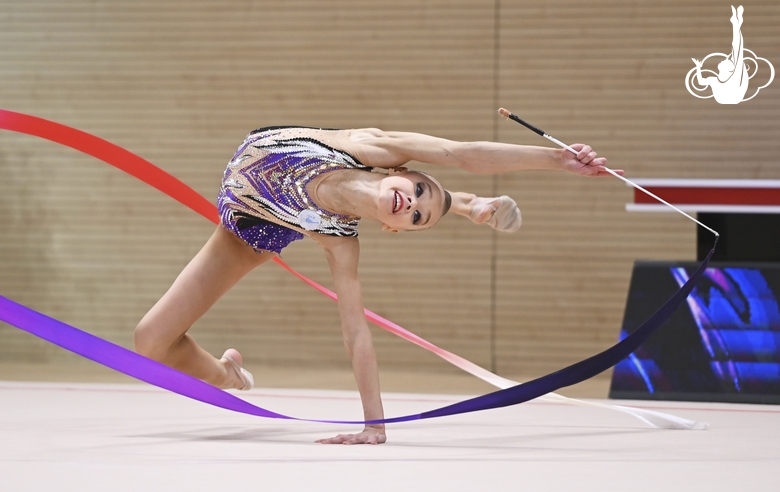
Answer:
x=711 y=196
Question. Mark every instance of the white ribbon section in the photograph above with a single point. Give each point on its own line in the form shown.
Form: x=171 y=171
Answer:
x=652 y=418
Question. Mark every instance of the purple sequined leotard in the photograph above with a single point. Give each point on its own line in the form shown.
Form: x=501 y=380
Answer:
x=263 y=198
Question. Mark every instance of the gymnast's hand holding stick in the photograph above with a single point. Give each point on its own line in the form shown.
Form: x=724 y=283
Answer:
x=287 y=183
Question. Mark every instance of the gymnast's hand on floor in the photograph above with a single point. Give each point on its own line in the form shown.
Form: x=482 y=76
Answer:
x=585 y=163
x=370 y=435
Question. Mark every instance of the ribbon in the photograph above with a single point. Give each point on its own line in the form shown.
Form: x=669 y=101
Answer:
x=153 y=372
x=150 y=371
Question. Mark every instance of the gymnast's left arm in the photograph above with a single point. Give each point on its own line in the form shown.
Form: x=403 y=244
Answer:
x=343 y=254
x=391 y=149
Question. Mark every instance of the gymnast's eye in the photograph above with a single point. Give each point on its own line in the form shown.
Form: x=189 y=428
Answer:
x=416 y=217
x=419 y=190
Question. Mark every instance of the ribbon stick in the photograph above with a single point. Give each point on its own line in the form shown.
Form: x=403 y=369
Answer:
x=508 y=114
x=156 y=177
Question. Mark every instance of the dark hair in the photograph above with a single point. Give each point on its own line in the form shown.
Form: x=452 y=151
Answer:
x=447 y=203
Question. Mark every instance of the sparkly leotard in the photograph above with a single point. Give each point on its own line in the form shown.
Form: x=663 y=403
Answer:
x=263 y=198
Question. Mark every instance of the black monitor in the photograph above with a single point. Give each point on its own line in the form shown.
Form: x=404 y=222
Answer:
x=722 y=345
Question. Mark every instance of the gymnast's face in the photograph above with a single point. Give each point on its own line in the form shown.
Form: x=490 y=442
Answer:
x=409 y=201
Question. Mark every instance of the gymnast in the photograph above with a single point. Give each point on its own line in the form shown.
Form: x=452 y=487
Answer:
x=287 y=183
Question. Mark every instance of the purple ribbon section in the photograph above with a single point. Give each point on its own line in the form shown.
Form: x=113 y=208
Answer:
x=152 y=372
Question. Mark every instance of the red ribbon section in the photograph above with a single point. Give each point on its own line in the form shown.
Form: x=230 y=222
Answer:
x=152 y=175
x=147 y=370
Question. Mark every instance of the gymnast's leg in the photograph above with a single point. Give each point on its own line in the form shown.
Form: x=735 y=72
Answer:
x=501 y=213
x=162 y=333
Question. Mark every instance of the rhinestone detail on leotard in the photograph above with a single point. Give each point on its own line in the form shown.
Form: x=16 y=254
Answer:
x=267 y=179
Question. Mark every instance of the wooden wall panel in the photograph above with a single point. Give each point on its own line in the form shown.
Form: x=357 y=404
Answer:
x=612 y=75
x=180 y=83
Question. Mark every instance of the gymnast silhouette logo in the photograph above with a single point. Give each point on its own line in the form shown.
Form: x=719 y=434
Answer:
x=735 y=70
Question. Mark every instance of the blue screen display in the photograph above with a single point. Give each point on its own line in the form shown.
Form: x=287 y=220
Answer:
x=723 y=345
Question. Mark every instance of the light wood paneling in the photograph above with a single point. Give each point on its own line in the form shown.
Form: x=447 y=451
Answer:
x=181 y=83
x=612 y=75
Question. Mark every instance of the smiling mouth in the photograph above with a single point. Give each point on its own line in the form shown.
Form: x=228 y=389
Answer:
x=396 y=202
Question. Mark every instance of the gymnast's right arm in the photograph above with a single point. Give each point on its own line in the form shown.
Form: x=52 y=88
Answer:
x=379 y=148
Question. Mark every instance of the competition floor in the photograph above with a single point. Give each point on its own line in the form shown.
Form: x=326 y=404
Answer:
x=107 y=436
